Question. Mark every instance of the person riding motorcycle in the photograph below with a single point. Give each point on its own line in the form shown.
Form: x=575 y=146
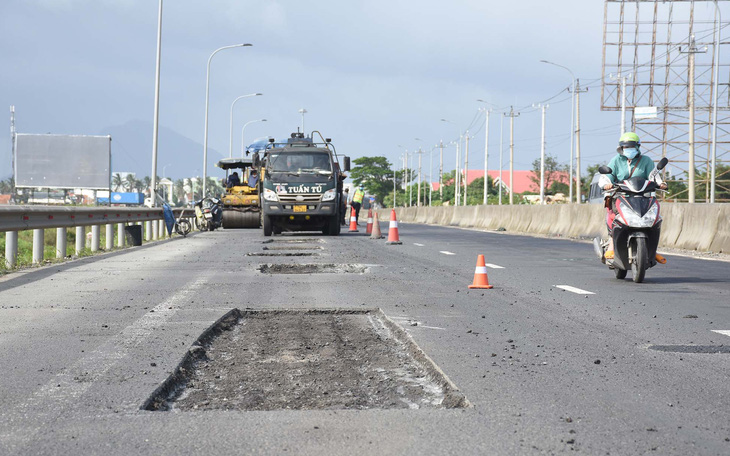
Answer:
x=628 y=163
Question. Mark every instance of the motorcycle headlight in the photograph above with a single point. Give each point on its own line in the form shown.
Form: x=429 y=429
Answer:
x=270 y=195
x=329 y=195
x=645 y=221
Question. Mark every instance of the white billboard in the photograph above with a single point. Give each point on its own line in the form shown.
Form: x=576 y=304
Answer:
x=62 y=161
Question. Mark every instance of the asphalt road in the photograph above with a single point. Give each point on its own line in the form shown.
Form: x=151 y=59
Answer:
x=547 y=371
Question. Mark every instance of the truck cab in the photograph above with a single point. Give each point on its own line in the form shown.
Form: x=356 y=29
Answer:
x=302 y=186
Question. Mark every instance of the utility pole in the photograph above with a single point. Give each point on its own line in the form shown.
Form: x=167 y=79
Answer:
x=577 y=140
x=418 y=198
x=486 y=153
x=457 y=171
x=512 y=114
x=441 y=170
x=542 y=157
x=156 y=119
x=466 y=167
x=12 y=141
x=623 y=97
x=501 y=150
x=691 y=51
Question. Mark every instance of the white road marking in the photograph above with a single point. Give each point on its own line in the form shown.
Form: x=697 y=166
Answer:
x=724 y=332
x=416 y=243
x=494 y=266
x=446 y=252
x=409 y=323
x=574 y=290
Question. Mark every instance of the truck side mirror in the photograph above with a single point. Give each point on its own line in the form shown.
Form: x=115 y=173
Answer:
x=346 y=163
x=603 y=169
x=662 y=163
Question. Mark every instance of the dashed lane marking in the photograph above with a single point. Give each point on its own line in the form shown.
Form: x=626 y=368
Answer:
x=724 y=332
x=416 y=243
x=574 y=290
x=446 y=252
x=494 y=266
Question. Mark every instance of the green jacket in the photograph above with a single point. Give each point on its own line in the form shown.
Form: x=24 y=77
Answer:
x=621 y=169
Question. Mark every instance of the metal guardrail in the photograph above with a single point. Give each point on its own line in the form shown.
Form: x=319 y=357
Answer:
x=39 y=218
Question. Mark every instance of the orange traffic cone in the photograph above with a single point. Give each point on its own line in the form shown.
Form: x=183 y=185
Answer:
x=393 y=238
x=369 y=227
x=376 y=234
x=353 y=222
x=480 y=275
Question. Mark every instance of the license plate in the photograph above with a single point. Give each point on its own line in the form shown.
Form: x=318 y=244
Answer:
x=300 y=208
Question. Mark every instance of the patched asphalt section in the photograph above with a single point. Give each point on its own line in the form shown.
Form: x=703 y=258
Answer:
x=305 y=360
x=292 y=241
x=293 y=247
x=285 y=254
x=326 y=268
x=698 y=349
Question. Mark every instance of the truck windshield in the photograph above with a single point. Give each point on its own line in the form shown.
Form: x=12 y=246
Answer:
x=300 y=163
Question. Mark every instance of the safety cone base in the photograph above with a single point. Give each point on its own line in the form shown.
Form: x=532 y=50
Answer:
x=393 y=243
x=480 y=286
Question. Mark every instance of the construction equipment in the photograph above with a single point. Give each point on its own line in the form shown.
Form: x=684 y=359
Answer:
x=240 y=202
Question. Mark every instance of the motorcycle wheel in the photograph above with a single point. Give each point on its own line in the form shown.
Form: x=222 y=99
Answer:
x=620 y=273
x=638 y=267
x=182 y=227
x=268 y=229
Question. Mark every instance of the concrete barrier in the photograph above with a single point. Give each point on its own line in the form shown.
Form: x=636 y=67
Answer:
x=703 y=227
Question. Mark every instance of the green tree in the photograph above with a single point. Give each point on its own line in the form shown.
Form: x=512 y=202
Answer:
x=117 y=182
x=553 y=171
x=130 y=183
x=376 y=175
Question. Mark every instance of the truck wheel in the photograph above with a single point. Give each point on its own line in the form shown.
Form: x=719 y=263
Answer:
x=332 y=228
x=267 y=225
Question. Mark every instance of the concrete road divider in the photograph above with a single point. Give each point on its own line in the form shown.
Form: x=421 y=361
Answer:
x=702 y=227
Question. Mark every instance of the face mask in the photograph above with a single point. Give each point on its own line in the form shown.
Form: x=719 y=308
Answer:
x=631 y=153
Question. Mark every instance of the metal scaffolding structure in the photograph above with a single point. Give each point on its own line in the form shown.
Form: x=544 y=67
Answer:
x=663 y=52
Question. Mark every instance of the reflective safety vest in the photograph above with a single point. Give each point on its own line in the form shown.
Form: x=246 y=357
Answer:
x=358 y=196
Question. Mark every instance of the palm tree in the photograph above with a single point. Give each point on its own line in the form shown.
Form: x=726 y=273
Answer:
x=130 y=182
x=117 y=182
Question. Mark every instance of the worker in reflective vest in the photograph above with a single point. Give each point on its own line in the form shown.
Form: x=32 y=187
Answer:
x=357 y=200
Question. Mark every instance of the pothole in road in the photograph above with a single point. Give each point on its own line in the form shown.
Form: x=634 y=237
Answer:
x=285 y=254
x=292 y=241
x=305 y=360
x=298 y=247
x=312 y=268
x=698 y=349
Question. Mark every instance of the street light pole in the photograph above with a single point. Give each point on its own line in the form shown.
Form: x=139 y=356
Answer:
x=243 y=144
x=572 y=129
x=457 y=181
x=156 y=120
x=207 y=99
x=230 y=142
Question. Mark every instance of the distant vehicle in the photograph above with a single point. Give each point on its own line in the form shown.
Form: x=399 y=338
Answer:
x=128 y=198
x=302 y=186
x=595 y=194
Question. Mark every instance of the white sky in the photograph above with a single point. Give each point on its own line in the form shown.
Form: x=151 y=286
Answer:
x=372 y=74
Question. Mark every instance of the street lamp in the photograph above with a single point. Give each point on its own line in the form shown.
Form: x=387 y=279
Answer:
x=156 y=119
x=572 y=127
x=487 y=111
x=243 y=144
x=230 y=142
x=207 y=98
x=457 y=180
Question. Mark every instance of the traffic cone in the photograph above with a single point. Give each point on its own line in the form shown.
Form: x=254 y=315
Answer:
x=480 y=275
x=353 y=222
x=393 y=238
x=369 y=227
x=376 y=234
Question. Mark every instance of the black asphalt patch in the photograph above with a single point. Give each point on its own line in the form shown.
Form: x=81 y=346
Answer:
x=305 y=360
x=292 y=241
x=289 y=247
x=311 y=268
x=699 y=349
x=285 y=254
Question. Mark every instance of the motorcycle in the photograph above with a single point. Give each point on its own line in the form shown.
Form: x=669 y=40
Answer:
x=636 y=227
x=208 y=213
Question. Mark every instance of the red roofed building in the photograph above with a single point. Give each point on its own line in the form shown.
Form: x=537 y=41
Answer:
x=523 y=179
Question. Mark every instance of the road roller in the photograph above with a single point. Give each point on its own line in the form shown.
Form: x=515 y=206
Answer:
x=240 y=200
